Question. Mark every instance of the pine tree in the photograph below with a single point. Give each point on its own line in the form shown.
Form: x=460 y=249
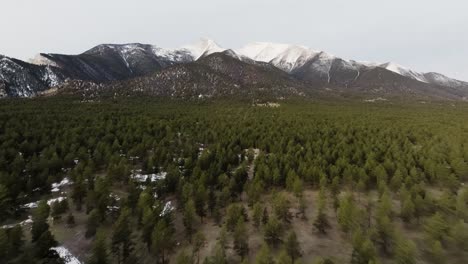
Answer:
x=264 y=256
x=122 y=244
x=265 y=216
x=99 y=251
x=292 y=246
x=284 y=258
x=321 y=221
x=199 y=241
x=161 y=240
x=4 y=245
x=273 y=231
x=44 y=243
x=92 y=224
x=257 y=214
x=189 y=218
x=241 y=244
x=407 y=209
x=78 y=192
x=405 y=252
x=40 y=215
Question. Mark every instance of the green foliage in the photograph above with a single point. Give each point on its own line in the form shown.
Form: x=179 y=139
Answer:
x=92 y=224
x=199 y=241
x=99 y=251
x=347 y=213
x=273 y=231
x=264 y=255
x=189 y=218
x=257 y=214
x=122 y=244
x=405 y=252
x=292 y=246
x=161 y=240
x=241 y=239
x=346 y=146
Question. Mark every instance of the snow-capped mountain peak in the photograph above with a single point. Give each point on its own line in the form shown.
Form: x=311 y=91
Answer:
x=284 y=56
x=203 y=47
x=293 y=57
x=263 y=51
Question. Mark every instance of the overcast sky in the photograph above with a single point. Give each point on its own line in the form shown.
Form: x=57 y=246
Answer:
x=426 y=35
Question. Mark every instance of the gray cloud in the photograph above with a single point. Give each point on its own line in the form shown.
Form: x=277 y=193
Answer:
x=426 y=35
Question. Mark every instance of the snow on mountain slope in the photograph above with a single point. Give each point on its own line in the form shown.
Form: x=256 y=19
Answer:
x=391 y=66
x=203 y=47
x=263 y=51
x=293 y=57
x=440 y=79
x=39 y=59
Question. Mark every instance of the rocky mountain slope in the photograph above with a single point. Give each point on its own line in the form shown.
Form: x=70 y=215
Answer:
x=21 y=79
x=215 y=75
x=193 y=69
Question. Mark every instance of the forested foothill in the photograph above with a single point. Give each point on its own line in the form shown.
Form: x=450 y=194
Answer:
x=146 y=180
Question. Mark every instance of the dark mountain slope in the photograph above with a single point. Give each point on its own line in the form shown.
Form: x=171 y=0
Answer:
x=382 y=82
x=22 y=79
x=215 y=75
x=110 y=62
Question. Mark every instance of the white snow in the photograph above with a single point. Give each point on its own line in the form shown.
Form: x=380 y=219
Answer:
x=294 y=57
x=39 y=59
x=203 y=47
x=62 y=183
x=394 y=67
x=375 y=100
x=136 y=175
x=49 y=202
x=22 y=223
x=263 y=51
x=66 y=255
x=167 y=208
x=287 y=57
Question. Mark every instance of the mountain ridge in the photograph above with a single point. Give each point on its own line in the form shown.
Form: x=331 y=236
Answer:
x=306 y=68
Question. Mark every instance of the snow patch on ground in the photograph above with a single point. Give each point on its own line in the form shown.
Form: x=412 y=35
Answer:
x=375 y=100
x=138 y=176
x=268 y=104
x=57 y=185
x=168 y=207
x=49 y=202
x=66 y=255
x=22 y=223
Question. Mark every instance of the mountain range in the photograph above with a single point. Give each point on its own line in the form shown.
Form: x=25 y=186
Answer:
x=205 y=69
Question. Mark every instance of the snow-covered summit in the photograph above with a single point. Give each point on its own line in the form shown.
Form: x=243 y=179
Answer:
x=203 y=47
x=262 y=51
x=287 y=57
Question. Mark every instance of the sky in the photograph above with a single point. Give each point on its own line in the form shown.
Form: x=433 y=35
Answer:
x=424 y=35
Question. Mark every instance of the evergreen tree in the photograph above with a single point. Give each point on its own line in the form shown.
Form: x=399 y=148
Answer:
x=122 y=245
x=257 y=214
x=241 y=243
x=405 y=252
x=99 y=251
x=273 y=231
x=199 y=241
x=264 y=256
x=161 y=240
x=92 y=224
x=189 y=218
x=292 y=246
